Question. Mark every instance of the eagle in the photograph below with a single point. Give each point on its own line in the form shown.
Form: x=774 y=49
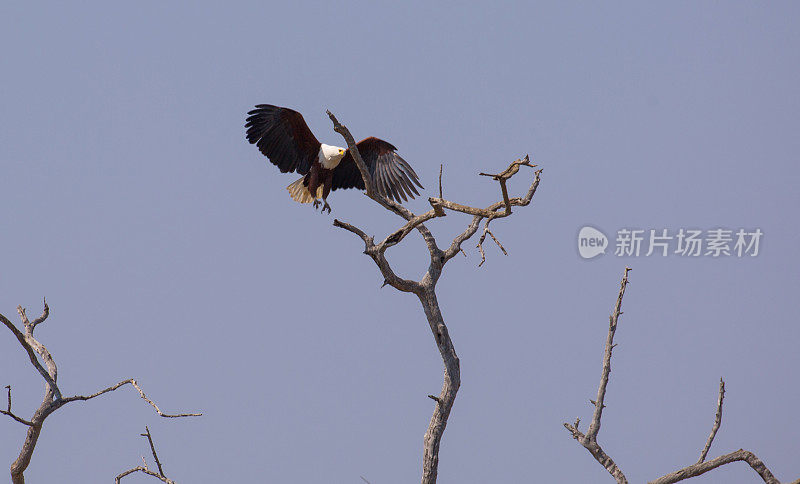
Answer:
x=283 y=136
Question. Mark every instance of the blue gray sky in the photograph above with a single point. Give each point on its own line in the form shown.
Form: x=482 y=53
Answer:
x=170 y=252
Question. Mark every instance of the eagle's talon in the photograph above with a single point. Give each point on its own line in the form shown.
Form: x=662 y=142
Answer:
x=316 y=204
x=326 y=206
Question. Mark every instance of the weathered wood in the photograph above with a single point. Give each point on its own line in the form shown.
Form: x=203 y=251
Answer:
x=425 y=288
x=53 y=399
x=589 y=440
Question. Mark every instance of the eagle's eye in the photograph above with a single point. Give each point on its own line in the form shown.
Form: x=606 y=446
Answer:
x=341 y=152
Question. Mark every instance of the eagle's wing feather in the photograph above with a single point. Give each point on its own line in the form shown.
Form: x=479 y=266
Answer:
x=402 y=181
x=283 y=136
x=393 y=176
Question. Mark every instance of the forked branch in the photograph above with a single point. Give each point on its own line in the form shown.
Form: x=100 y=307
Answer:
x=589 y=440
x=144 y=468
x=491 y=212
x=703 y=467
x=11 y=414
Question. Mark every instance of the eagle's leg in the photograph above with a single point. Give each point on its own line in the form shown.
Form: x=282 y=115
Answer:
x=313 y=184
x=326 y=190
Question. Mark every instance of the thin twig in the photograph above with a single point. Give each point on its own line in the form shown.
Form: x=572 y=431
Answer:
x=153 y=450
x=352 y=228
x=497 y=242
x=483 y=238
x=11 y=414
x=717 y=422
x=589 y=440
x=441 y=165
x=594 y=426
x=45 y=314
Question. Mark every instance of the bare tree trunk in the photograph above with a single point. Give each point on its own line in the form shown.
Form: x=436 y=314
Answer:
x=452 y=381
x=26 y=453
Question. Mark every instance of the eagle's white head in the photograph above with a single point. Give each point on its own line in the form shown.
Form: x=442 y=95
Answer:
x=330 y=156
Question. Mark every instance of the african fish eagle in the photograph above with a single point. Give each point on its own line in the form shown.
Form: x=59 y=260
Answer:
x=283 y=136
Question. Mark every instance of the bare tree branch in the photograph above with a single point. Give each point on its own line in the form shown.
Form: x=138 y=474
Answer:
x=425 y=289
x=45 y=314
x=11 y=414
x=483 y=237
x=594 y=426
x=502 y=177
x=145 y=470
x=377 y=253
x=717 y=422
x=703 y=467
x=589 y=440
x=351 y=145
x=153 y=450
x=53 y=399
x=490 y=211
x=141 y=394
x=352 y=228
x=25 y=341
x=441 y=167
x=398 y=235
x=597 y=452
x=390 y=205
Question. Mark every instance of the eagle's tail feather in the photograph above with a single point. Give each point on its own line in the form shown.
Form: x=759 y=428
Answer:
x=300 y=193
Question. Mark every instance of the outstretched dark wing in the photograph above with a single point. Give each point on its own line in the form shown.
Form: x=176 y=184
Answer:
x=393 y=177
x=283 y=136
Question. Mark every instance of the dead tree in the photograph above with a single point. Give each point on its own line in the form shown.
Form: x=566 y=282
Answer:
x=425 y=288
x=53 y=398
x=589 y=439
